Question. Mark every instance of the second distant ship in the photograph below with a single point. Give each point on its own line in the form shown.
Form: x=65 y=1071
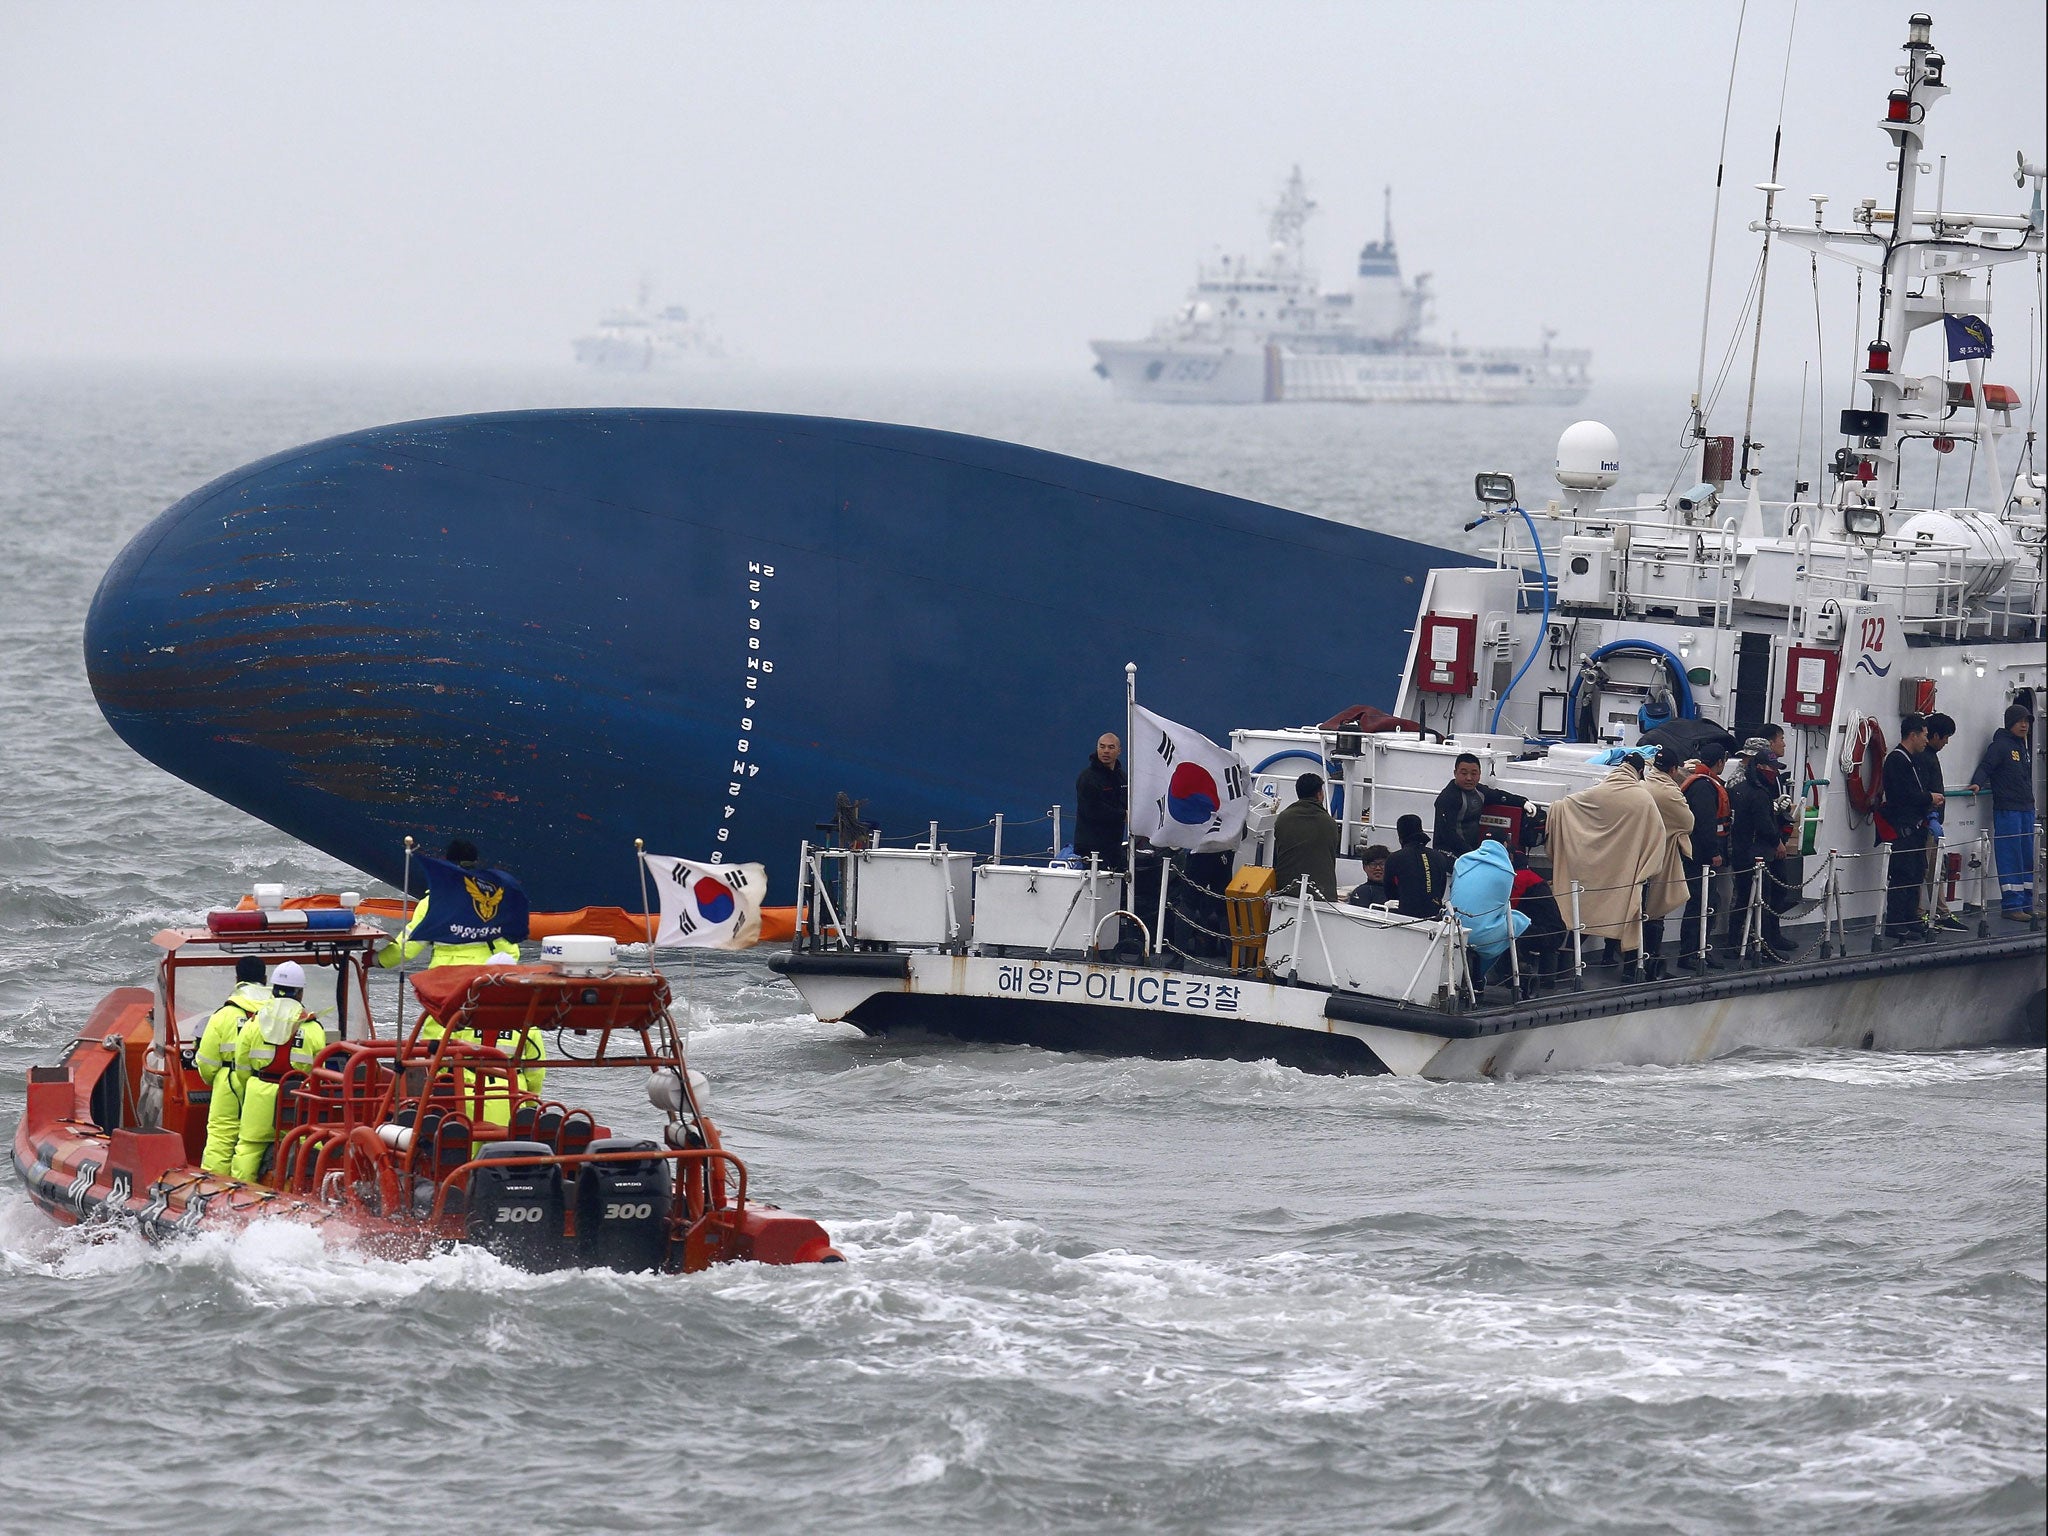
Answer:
x=643 y=338
x=1249 y=332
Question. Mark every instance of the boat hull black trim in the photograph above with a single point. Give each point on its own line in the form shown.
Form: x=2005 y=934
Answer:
x=856 y=963
x=1083 y=1028
x=1609 y=1000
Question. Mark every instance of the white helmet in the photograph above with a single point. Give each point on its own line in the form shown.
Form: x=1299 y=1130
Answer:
x=501 y=958
x=289 y=974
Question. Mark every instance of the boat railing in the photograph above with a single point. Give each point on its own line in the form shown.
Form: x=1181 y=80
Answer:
x=1022 y=908
x=1660 y=563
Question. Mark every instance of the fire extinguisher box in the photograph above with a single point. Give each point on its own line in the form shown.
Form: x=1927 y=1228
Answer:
x=1446 y=653
x=1811 y=672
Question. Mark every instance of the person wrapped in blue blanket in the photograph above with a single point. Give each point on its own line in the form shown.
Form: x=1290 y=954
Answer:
x=1481 y=883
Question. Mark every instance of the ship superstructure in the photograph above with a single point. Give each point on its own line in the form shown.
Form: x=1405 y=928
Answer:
x=1264 y=330
x=643 y=337
x=1841 y=615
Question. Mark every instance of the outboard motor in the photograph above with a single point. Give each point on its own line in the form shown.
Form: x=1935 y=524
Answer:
x=622 y=1208
x=518 y=1213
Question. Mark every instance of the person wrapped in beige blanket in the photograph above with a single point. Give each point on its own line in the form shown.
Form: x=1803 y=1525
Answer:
x=1610 y=841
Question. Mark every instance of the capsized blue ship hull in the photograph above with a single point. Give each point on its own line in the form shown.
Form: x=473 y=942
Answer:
x=556 y=631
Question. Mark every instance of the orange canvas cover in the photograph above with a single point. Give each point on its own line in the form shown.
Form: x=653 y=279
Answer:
x=509 y=997
x=778 y=924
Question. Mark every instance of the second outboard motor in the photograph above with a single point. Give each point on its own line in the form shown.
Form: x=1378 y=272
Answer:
x=518 y=1213
x=622 y=1208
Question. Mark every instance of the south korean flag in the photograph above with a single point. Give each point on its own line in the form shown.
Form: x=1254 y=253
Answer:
x=1186 y=792
x=707 y=906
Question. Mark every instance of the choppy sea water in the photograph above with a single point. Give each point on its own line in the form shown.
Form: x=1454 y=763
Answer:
x=1775 y=1293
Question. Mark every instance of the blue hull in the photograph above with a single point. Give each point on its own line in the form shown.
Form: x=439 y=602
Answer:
x=554 y=631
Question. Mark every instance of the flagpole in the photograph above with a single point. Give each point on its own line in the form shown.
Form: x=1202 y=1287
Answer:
x=398 y=970
x=646 y=918
x=1130 y=777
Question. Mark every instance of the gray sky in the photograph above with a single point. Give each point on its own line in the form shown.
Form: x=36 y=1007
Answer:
x=940 y=185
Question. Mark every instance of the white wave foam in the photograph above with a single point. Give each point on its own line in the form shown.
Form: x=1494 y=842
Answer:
x=943 y=1297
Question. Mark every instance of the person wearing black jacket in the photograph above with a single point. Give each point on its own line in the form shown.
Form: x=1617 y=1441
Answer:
x=1372 y=890
x=1100 y=797
x=1711 y=814
x=1756 y=836
x=1941 y=730
x=2007 y=770
x=1907 y=804
x=1541 y=945
x=1418 y=875
x=1460 y=804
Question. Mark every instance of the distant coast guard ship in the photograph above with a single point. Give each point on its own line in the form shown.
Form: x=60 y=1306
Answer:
x=640 y=337
x=1248 y=333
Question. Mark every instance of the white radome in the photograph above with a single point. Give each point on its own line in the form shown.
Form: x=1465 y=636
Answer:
x=1588 y=457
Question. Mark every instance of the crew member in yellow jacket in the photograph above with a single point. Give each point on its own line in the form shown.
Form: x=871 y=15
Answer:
x=525 y=1047
x=215 y=1059
x=405 y=947
x=283 y=1038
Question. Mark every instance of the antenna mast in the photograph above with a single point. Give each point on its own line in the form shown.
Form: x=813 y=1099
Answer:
x=1752 y=466
x=1699 y=388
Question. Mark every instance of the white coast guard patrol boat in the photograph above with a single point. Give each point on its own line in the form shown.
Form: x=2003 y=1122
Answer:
x=642 y=337
x=1260 y=331
x=1833 y=612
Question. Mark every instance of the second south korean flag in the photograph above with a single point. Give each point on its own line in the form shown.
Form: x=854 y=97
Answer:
x=710 y=906
x=1186 y=792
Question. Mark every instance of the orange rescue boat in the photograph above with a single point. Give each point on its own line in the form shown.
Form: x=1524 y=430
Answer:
x=403 y=1141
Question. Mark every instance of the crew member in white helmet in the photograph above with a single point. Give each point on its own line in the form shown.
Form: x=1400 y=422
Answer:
x=281 y=1039
x=215 y=1059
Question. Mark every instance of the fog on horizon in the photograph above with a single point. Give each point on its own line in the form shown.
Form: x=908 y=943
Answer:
x=948 y=188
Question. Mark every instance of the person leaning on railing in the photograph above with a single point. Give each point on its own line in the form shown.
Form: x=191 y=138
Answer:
x=1941 y=729
x=2007 y=770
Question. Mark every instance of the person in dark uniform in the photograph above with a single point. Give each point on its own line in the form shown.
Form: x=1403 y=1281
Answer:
x=1417 y=875
x=1941 y=730
x=1907 y=804
x=1757 y=836
x=1372 y=890
x=2007 y=770
x=1305 y=839
x=1460 y=804
x=1708 y=797
x=1101 y=796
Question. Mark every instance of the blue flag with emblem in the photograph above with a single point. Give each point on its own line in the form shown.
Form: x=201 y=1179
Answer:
x=1969 y=336
x=470 y=906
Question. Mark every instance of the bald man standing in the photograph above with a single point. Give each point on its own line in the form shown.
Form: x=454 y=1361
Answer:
x=1101 y=795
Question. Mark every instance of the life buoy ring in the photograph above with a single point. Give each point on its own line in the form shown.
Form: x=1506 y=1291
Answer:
x=1863 y=750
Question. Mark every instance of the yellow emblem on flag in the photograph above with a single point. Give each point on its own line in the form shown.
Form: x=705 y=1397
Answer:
x=485 y=901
